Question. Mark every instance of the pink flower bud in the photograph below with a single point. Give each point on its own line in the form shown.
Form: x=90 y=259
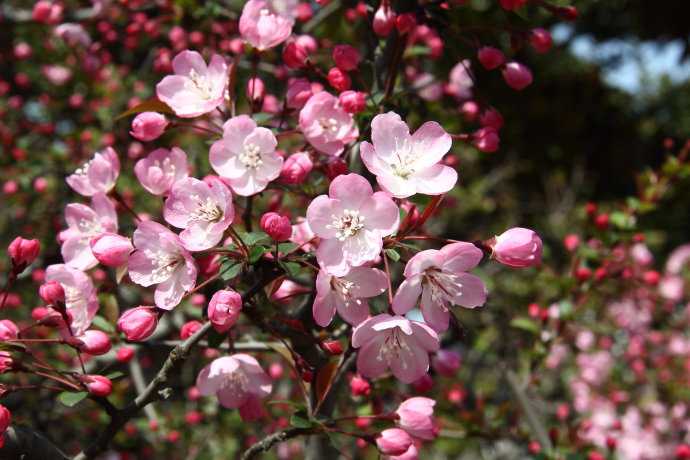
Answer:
x=447 y=362
x=405 y=23
x=416 y=417
x=294 y=55
x=111 y=249
x=224 y=309
x=23 y=251
x=491 y=118
x=52 y=292
x=541 y=40
x=335 y=167
x=148 y=126
x=298 y=92
x=339 y=79
x=47 y=12
x=138 y=323
x=353 y=101
x=276 y=226
x=296 y=168
x=486 y=140
x=423 y=384
x=5 y=418
x=359 y=386
x=518 y=247
x=393 y=441
x=571 y=242
x=517 y=76
x=513 y=4
x=8 y=330
x=6 y=363
x=189 y=328
x=255 y=89
x=490 y=57
x=384 y=20
x=469 y=110
x=346 y=57
x=94 y=342
x=124 y=354
x=98 y=385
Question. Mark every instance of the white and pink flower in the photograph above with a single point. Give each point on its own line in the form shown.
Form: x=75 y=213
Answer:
x=160 y=258
x=440 y=277
x=196 y=88
x=347 y=294
x=407 y=164
x=84 y=224
x=98 y=175
x=81 y=301
x=265 y=24
x=395 y=343
x=326 y=125
x=246 y=156
x=202 y=208
x=161 y=169
x=351 y=222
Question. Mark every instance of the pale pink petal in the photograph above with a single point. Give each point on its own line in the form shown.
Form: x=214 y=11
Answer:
x=433 y=141
x=331 y=258
x=352 y=189
x=389 y=133
x=436 y=180
x=412 y=362
x=369 y=362
x=473 y=292
x=434 y=311
x=369 y=282
x=460 y=257
x=76 y=253
x=423 y=260
x=320 y=216
x=407 y=295
x=381 y=213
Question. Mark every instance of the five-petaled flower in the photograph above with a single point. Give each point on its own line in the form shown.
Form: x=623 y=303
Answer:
x=351 y=222
x=161 y=169
x=326 y=125
x=97 y=175
x=80 y=295
x=267 y=23
x=440 y=278
x=406 y=164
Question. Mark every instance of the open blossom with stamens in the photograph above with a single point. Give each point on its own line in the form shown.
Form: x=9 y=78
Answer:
x=161 y=169
x=351 y=222
x=238 y=381
x=326 y=125
x=246 y=156
x=98 y=175
x=203 y=208
x=395 y=343
x=80 y=295
x=196 y=88
x=440 y=278
x=160 y=258
x=347 y=294
x=267 y=23
x=84 y=224
x=406 y=164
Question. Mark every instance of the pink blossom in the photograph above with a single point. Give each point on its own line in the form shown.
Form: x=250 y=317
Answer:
x=460 y=81
x=256 y=90
x=160 y=258
x=490 y=57
x=138 y=323
x=412 y=453
x=672 y=288
x=8 y=330
x=595 y=367
x=395 y=343
x=416 y=416
x=202 y=208
x=276 y=226
x=302 y=234
x=23 y=251
x=346 y=57
x=298 y=92
x=111 y=249
x=678 y=259
x=267 y=23
x=440 y=277
x=81 y=301
x=148 y=126
x=353 y=101
x=196 y=88
x=73 y=34
x=446 y=362
x=518 y=247
x=94 y=342
x=517 y=75
x=325 y=125
x=246 y=156
x=85 y=223
x=294 y=55
x=238 y=381
x=347 y=294
x=97 y=175
x=351 y=221
x=641 y=254
x=384 y=20
x=393 y=441
x=486 y=139
x=224 y=309
x=98 y=385
x=51 y=292
x=161 y=169
x=407 y=164
x=296 y=168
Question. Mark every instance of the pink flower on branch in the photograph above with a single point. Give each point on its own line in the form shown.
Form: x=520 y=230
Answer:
x=351 y=222
x=407 y=164
x=246 y=156
x=161 y=169
x=440 y=278
x=196 y=88
x=97 y=175
x=202 y=208
x=347 y=294
x=326 y=125
x=395 y=343
x=265 y=24
x=81 y=301
x=416 y=416
x=160 y=258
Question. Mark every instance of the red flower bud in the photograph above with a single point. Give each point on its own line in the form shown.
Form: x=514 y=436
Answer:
x=23 y=251
x=276 y=226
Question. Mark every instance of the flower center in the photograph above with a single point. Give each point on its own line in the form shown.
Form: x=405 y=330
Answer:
x=207 y=210
x=89 y=228
x=164 y=264
x=390 y=350
x=251 y=156
x=347 y=225
x=235 y=382
x=330 y=125
x=166 y=166
x=201 y=83
x=443 y=285
x=343 y=288
x=404 y=166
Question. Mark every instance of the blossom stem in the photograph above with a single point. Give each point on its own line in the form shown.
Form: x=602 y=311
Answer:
x=120 y=199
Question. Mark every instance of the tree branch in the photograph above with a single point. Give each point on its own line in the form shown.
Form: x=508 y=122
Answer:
x=22 y=442
x=269 y=441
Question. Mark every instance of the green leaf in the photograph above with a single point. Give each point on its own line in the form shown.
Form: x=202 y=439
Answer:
x=301 y=420
x=252 y=238
x=287 y=247
x=525 y=324
x=70 y=399
x=229 y=269
x=151 y=105
x=255 y=253
x=393 y=255
x=103 y=324
x=291 y=268
x=115 y=375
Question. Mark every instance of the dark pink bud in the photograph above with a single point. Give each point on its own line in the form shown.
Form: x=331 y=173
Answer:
x=255 y=89
x=346 y=57
x=148 y=126
x=296 y=168
x=359 y=386
x=393 y=441
x=490 y=57
x=353 y=101
x=111 y=249
x=491 y=118
x=224 y=309
x=541 y=40
x=517 y=76
x=335 y=167
x=447 y=362
x=94 y=342
x=486 y=140
x=98 y=385
x=8 y=330
x=384 y=20
x=294 y=55
x=470 y=110
x=52 y=292
x=332 y=347
x=339 y=79
x=138 y=323
x=124 y=354
x=5 y=418
x=276 y=226
x=189 y=328
x=405 y=23
x=23 y=251
x=518 y=247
